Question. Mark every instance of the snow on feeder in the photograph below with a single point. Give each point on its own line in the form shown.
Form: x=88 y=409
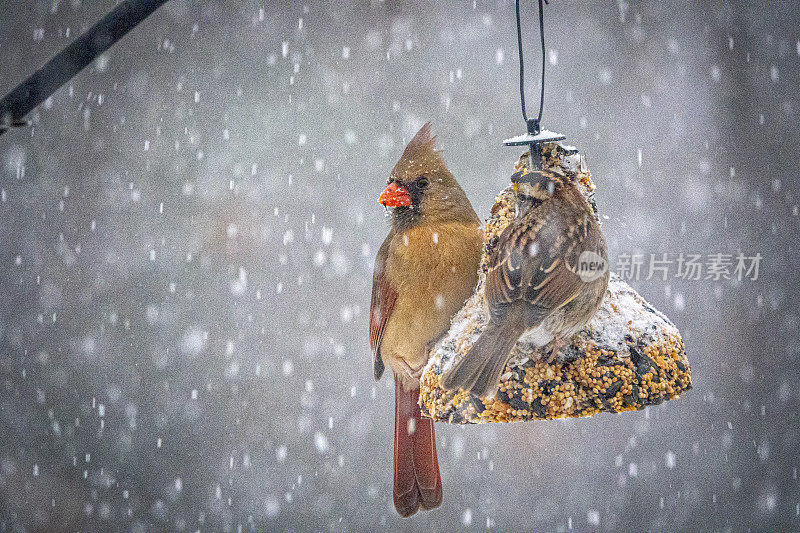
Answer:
x=629 y=355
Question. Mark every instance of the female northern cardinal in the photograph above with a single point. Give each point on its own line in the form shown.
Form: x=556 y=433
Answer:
x=425 y=270
x=547 y=276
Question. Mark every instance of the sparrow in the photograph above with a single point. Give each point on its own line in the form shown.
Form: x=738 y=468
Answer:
x=546 y=277
x=424 y=271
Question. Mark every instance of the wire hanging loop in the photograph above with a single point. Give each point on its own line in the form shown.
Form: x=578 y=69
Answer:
x=535 y=137
x=533 y=124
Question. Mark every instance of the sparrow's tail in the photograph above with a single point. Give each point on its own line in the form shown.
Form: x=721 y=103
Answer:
x=417 y=483
x=480 y=369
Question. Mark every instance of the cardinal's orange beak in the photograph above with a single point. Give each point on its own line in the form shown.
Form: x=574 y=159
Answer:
x=395 y=196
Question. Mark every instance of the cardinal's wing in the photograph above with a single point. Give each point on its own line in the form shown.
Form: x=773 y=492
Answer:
x=381 y=306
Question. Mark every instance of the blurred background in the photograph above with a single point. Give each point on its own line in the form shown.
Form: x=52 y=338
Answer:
x=187 y=235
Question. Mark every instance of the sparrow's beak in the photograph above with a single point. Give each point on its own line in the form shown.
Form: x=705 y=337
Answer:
x=515 y=187
x=395 y=196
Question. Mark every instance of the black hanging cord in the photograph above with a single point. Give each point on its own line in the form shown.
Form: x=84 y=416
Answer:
x=533 y=123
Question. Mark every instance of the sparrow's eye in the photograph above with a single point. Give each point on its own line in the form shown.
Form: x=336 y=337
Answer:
x=422 y=182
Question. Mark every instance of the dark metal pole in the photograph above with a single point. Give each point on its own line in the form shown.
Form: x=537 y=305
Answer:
x=72 y=59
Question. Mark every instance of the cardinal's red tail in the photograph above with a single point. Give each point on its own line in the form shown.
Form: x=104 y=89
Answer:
x=417 y=483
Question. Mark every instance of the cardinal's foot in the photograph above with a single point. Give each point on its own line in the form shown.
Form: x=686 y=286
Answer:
x=412 y=373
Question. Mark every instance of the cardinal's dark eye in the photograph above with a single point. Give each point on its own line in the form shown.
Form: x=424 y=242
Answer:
x=422 y=182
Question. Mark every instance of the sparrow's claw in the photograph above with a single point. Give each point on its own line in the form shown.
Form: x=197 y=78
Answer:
x=555 y=347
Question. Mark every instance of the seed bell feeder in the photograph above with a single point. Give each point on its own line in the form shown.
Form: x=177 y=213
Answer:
x=628 y=356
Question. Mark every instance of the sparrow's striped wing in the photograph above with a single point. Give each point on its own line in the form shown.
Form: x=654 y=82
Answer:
x=536 y=259
x=381 y=306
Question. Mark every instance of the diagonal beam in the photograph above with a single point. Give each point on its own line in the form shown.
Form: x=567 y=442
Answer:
x=72 y=59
